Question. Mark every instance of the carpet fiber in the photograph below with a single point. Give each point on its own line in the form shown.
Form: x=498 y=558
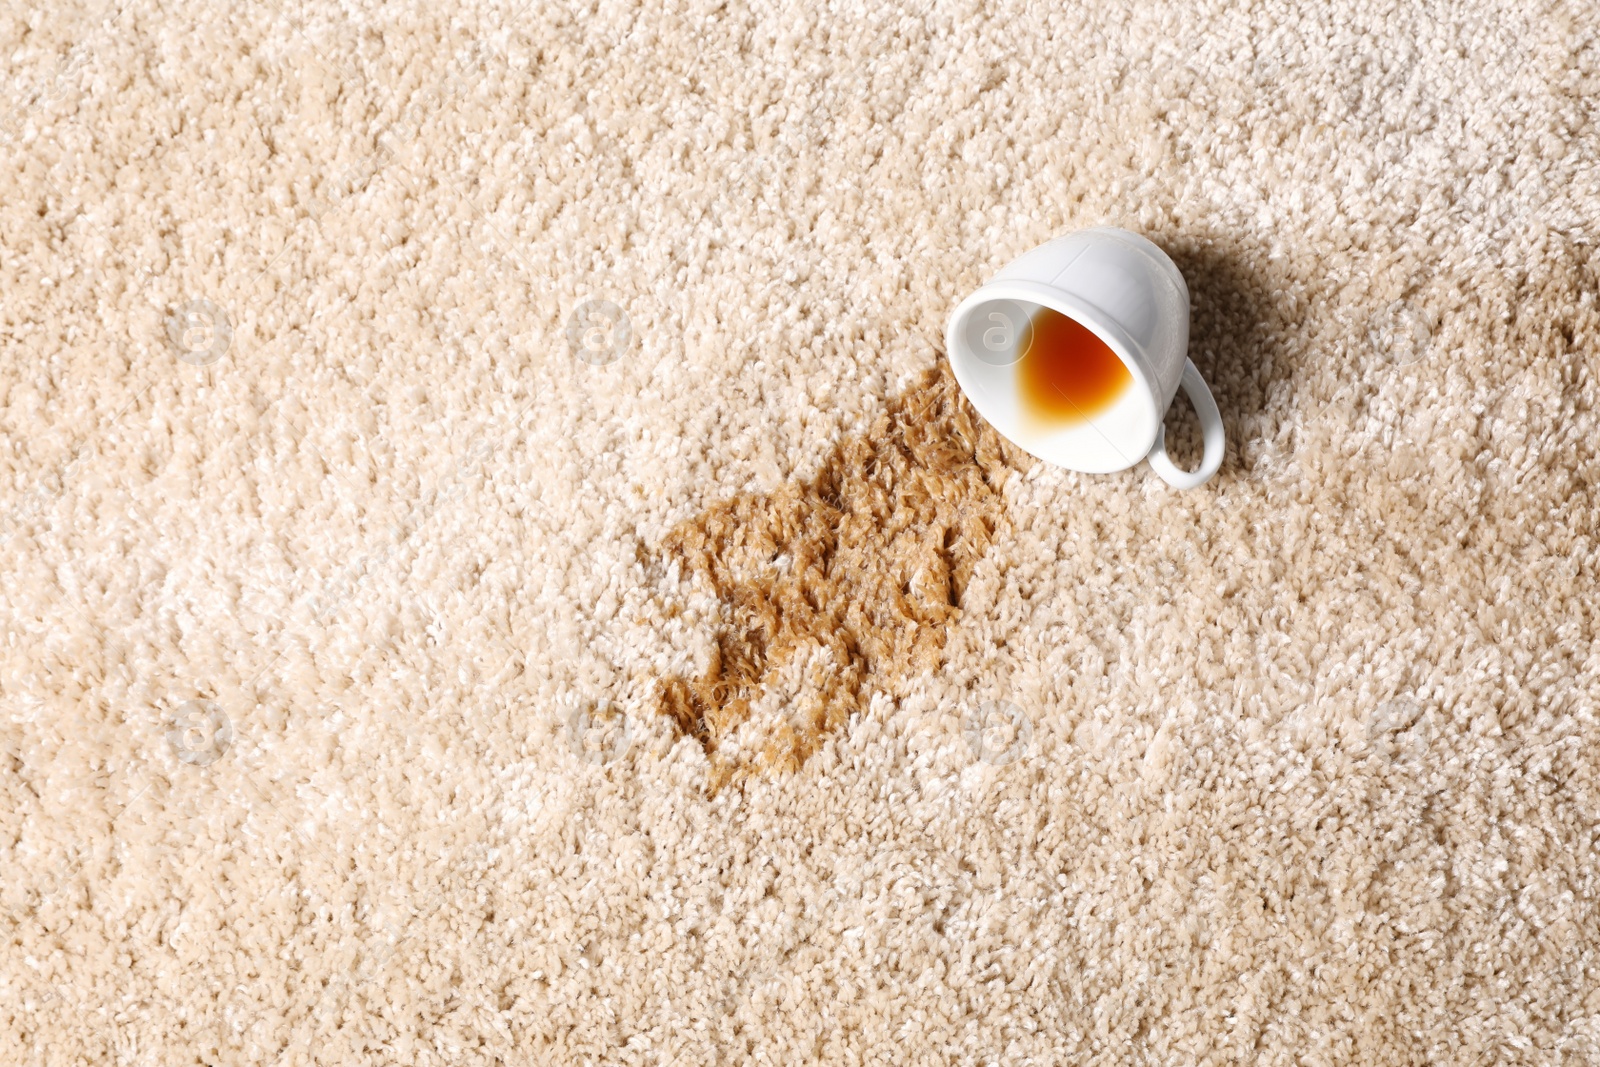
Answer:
x=496 y=570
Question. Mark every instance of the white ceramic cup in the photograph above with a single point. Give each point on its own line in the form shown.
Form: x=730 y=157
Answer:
x=1132 y=296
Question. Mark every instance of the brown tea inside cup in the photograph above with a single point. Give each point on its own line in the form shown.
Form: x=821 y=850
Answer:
x=1068 y=374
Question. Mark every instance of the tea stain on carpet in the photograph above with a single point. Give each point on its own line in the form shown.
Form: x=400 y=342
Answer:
x=842 y=586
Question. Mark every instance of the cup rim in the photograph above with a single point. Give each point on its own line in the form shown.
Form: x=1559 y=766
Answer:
x=1074 y=307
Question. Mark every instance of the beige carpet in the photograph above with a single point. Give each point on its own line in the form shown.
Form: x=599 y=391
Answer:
x=493 y=572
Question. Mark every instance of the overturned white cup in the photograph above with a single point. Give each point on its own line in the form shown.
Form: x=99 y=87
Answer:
x=1131 y=296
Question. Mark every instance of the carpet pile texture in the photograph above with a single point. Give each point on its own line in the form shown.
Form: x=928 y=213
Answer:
x=496 y=570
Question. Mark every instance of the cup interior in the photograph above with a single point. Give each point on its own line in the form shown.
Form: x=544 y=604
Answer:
x=998 y=332
x=989 y=338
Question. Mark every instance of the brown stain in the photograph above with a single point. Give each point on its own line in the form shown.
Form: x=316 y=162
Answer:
x=844 y=585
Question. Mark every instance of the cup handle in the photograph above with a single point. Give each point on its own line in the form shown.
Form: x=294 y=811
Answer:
x=1205 y=406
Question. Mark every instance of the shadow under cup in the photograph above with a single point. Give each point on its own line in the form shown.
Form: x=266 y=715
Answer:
x=1054 y=381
